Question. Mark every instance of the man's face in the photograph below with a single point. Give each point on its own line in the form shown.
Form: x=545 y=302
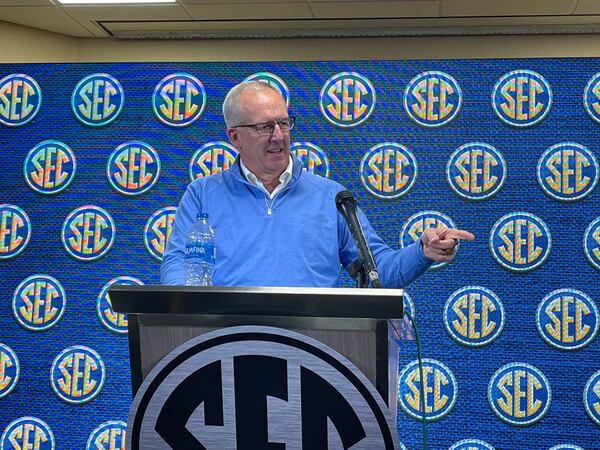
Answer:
x=266 y=156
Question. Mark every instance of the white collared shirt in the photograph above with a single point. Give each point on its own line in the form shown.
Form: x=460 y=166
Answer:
x=284 y=179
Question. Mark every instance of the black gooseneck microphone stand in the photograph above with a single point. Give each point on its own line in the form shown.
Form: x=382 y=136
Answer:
x=363 y=269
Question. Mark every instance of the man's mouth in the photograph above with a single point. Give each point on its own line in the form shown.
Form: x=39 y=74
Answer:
x=275 y=150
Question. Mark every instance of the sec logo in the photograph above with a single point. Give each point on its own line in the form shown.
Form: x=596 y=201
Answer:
x=591 y=97
x=97 y=100
x=273 y=81
x=566 y=447
x=591 y=243
x=522 y=98
x=520 y=241
x=109 y=435
x=179 y=99
x=567 y=319
x=313 y=159
x=519 y=394
x=9 y=370
x=157 y=231
x=116 y=322
x=49 y=167
x=88 y=233
x=347 y=99
x=20 y=99
x=39 y=302
x=258 y=385
x=474 y=316
x=27 y=433
x=471 y=444
x=416 y=224
x=591 y=397
x=439 y=386
x=15 y=231
x=568 y=171
x=408 y=304
x=432 y=99
x=388 y=170
x=77 y=374
x=476 y=171
x=133 y=168
x=211 y=158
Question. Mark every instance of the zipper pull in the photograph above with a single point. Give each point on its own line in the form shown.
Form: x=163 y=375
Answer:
x=269 y=210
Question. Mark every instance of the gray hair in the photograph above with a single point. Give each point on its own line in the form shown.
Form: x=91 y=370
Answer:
x=231 y=105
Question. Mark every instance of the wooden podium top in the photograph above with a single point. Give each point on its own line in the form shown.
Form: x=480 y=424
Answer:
x=258 y=301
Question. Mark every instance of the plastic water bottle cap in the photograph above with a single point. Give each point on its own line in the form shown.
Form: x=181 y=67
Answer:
x=202 y=215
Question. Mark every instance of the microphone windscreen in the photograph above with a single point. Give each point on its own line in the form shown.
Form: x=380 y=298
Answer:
x=344 y=197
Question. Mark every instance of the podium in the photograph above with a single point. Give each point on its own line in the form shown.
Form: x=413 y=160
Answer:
x=360 y=324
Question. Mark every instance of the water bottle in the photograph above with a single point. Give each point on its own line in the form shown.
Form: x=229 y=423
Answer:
x=199 y=258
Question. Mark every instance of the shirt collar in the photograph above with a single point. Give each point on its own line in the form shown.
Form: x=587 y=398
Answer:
x=284 y=178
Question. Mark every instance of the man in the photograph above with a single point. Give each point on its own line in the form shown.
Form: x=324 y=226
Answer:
x=277 y=225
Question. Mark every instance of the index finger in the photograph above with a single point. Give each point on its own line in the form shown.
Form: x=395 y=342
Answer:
x=452 y=233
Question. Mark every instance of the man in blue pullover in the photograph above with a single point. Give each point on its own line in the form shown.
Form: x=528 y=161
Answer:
x=277 y=225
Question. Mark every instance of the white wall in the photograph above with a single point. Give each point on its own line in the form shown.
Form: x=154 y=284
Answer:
x=23 y=44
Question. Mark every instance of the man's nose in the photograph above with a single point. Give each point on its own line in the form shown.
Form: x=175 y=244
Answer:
x=277 y=134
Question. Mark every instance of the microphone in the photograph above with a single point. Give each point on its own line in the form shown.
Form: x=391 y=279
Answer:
x=346 y=205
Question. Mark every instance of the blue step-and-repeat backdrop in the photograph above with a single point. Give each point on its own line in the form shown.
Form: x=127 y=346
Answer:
x=96 y=157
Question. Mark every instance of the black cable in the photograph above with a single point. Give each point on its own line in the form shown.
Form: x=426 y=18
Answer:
x=421 y=378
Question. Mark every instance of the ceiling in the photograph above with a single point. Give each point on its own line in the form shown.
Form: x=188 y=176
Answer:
x=307 y=18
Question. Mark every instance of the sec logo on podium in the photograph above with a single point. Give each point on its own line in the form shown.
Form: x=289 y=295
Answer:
x=254 y=387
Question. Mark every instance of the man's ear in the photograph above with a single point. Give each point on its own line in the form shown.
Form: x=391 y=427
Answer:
x=233 y=136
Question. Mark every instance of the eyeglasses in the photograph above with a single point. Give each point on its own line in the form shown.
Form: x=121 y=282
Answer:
x=267 y=128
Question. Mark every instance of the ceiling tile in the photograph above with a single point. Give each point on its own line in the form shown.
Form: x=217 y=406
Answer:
x=408 y=8
x=48 y=18
x=486 y=8
x=250 y=11
x=219 y=2
x=26 y=3
x=588 y=7
x=130 y=12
